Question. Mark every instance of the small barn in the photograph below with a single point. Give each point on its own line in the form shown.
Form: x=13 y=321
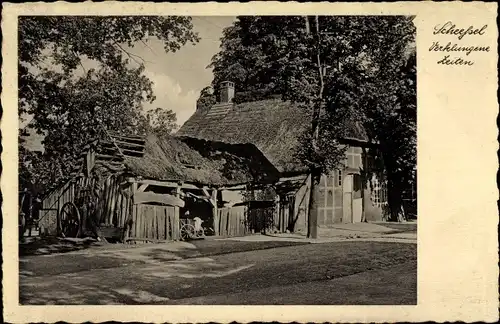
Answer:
x=141 y=188
x=274 y=126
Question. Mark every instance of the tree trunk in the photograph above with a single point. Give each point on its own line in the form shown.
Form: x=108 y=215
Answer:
x=364 y=177
x=312 y=219
x=394 y=196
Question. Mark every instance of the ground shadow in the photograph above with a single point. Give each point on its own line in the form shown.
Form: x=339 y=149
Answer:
x=49 y=245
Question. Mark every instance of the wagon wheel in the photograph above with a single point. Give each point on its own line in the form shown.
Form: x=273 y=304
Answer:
x=187 y=232
x=200 y=233
x=70 y=220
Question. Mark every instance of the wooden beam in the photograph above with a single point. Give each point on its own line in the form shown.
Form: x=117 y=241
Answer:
x=125 y=144
x=143 y=187
x=240 y=187
x=116 y=134
x=195 y=196
x=277 y=214
x=205 y=191
x=147 y=197
x=128 y=152
x=210 y=197
x=168 y=184
x=293 y=178
x=128 y=139
x=215 y=212
x=177 y=222
x=107 y=157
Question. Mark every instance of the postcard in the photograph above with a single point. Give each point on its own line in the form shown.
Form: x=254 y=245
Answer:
x=260 y=158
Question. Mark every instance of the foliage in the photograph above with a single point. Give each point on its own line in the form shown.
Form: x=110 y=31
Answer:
x=266 y=55
x=161 y=121
x=369 y=80
x=72 y=104
x=30 y=164
x=206 y=99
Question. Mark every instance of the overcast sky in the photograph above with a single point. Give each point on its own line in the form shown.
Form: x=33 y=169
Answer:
x=179 y=77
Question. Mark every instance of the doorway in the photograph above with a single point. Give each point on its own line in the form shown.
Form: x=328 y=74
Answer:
x=347 y=199
x=352 y=201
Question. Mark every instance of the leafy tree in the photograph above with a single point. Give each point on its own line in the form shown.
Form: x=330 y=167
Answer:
x=162 y=121
x=345 y=71
x=266 y=55
x=72 y=104
x=206 y=99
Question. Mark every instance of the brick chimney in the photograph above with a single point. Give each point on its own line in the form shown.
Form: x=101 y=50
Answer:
x=226 y=92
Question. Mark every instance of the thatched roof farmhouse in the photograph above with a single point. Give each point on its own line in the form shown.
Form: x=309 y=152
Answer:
x=275 y=126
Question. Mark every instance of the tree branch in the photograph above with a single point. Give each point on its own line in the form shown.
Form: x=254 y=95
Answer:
x=79 y=61
x=131 y=55
x=145 y=44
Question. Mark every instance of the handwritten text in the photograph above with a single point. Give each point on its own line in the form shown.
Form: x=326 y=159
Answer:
x=455 y=48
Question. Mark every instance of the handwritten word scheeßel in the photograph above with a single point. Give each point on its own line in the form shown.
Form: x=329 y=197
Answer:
x=449 y=28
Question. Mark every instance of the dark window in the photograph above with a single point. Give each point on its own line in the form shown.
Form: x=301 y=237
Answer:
x=357 y=182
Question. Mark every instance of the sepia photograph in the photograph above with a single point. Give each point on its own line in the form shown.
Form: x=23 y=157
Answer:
x=257 y=158
x=217 y=160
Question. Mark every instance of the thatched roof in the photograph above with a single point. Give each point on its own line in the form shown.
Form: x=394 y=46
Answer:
x=198 y=161
x=273 y=126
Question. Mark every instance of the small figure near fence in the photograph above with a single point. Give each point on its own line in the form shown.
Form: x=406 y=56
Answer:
x=28 y=214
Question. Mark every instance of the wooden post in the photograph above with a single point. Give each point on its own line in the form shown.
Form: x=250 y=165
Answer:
x=134 y=215
x=112 y=200
x=177 y=221
x=30 y=216
x=363 y=174
x=124 y=214
x=129 y=216
x=119 y=202
x=278 y=222
x=215 y=211
x=58 y=216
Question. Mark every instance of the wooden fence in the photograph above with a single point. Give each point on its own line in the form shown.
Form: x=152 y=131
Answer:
x=150 y=222
x=51 y=205
x=260 y=219
x=232 y=221
x=282 y=218
x=285 y=219
x=154 y=223
x=115 y=209
x=114 y=205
